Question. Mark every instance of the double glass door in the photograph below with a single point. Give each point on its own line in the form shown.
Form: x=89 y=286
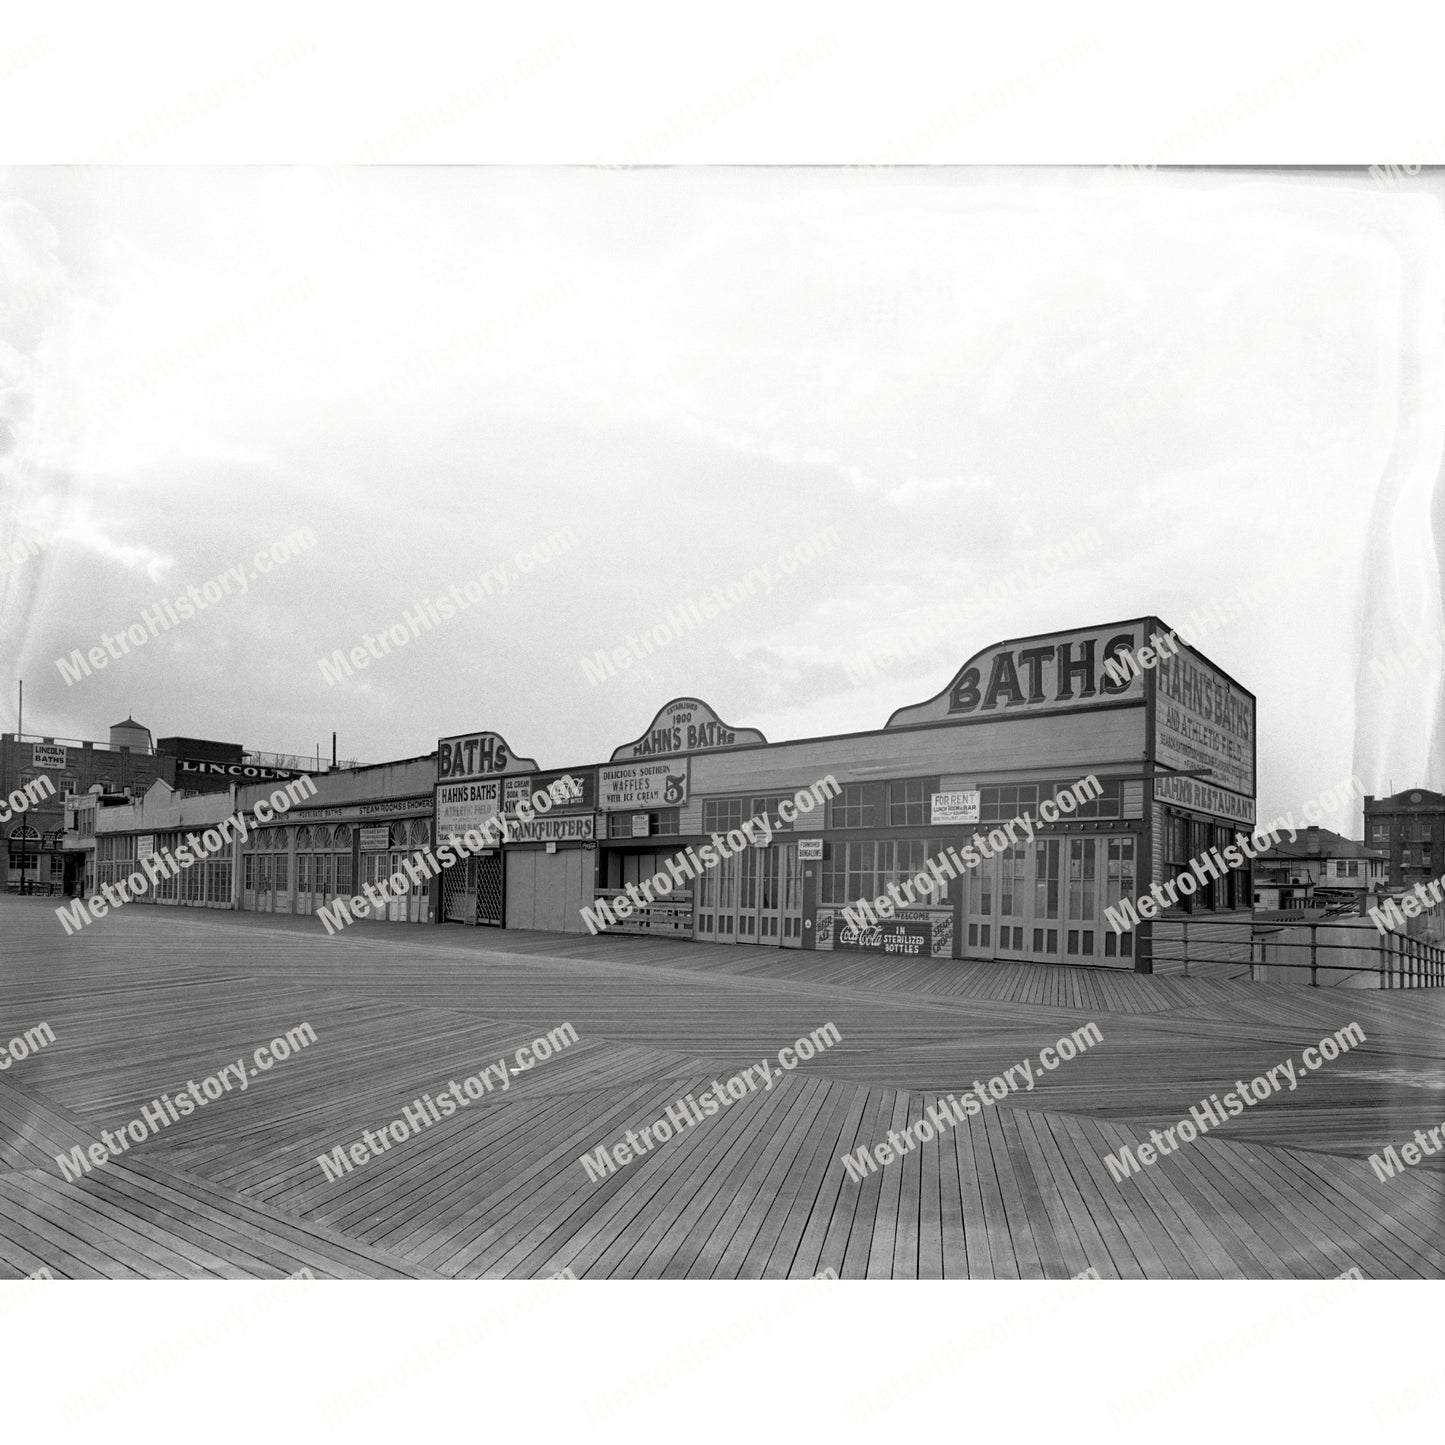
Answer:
x=755 y=896
x=1044 y=901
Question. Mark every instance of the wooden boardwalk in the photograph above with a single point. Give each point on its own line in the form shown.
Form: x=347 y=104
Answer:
x=148 y=998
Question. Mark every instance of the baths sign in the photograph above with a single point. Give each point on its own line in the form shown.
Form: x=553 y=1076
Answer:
x=686 y=725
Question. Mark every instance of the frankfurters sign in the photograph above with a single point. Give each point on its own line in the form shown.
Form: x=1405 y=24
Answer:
x=1053 y=673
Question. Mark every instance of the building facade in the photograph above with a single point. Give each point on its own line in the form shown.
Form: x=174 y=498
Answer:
x=359 y=827
x=160 y=823
x=1408 y=827
x=34 y=840
x=1319 y=871
x=1168 y=737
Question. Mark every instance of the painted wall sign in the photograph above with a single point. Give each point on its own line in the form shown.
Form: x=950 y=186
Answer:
x=686 y=725
x=573 y=791
x=578 y=828
x=1203 y=797
x=47 y=755
x=632 y=786
x=957 y=807
x=240 y=772
x=463 y=806
x=909 y=940
x=383 y=808
x=810 y=850
x=374 y=837
x=1203 y=720
x=1052 y=673
x=478 y=755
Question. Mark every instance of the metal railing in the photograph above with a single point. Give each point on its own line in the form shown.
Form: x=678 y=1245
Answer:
x=99 y=747
x=296 y=762
x=1394 y=960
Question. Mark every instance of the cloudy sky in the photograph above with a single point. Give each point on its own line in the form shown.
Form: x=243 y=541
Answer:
x=1217 y=380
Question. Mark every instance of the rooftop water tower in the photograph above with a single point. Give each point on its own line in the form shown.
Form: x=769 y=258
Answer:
x=131 y=734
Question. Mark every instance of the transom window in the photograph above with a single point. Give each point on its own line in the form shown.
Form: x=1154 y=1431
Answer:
x=859 y=805
x=721 y=815
x=908 y=801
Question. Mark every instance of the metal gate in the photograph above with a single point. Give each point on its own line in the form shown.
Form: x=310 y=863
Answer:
x=459 y=892
x=491 y=889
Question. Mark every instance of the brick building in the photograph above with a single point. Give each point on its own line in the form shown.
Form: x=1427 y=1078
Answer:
x=1409 y=826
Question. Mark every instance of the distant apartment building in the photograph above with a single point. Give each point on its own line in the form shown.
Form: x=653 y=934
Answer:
x=1320 y=871
x=1408 y=827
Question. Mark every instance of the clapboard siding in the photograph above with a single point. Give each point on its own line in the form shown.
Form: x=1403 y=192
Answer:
x=1024 y=745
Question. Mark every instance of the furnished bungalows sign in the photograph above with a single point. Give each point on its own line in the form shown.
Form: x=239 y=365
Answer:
x=1052 y=673
x=686 y=725
x=478 y=755
x=1202 y=720
x=637 y=787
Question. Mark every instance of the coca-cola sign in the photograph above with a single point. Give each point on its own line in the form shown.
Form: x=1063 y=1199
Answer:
x=910 y=940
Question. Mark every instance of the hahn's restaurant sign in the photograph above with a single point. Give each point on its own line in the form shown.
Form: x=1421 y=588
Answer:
x=1203 y=797
x=1046 y=674
x=686 y=725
